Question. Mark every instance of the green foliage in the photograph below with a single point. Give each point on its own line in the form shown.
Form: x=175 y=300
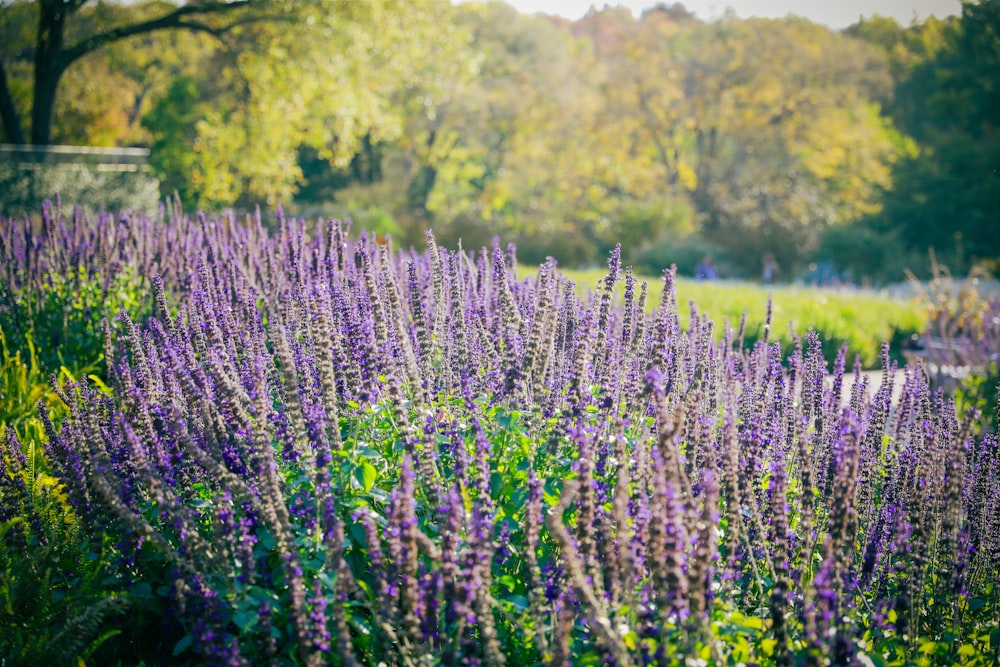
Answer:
x=981 y=391
x=770 y=164
x=946 y=199
x=639 y=225
x=54 y=607
x=16 y=19
x=23 y=190
x=278 y=93
x=365 y=210
x=60 y=320
x=766 y=136
x=479 y=120
x=23 y=386
x=873 y=255
x=172 y=121
x=944 y=195
x=672 y=126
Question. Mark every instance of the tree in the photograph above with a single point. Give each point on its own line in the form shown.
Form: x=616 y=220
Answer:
x=907 y=50
x=329 y=82
x=516 y=137
x=946 y=195
x=461 y=161
x=764 y=125
x=174 y=120
x=59 y=44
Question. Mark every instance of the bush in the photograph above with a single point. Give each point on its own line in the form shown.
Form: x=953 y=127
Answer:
x=23 y=190
x=870 y=255
x=686 y=252
x=62 y=319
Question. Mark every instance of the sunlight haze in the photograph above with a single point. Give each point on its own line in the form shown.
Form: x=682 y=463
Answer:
x=833 y=14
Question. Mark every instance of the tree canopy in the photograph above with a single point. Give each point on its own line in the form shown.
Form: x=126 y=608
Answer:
x=945 y=192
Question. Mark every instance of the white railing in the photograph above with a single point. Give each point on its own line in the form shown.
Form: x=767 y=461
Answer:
x=102 y=159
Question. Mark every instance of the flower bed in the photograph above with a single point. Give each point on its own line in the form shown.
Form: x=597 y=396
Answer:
x=322 y=450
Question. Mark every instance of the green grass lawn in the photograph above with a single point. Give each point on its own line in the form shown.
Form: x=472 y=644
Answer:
x=862 y=320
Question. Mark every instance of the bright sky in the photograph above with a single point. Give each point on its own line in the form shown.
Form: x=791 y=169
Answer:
x=833 y=13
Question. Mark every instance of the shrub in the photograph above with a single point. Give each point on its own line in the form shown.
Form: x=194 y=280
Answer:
x=871 y=255
x=61 y=274
x=24 y=190
x=685 y=253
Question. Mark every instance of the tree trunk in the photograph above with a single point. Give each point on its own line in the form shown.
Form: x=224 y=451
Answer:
x=43 y=108
x=48 y=69
x=8 y=112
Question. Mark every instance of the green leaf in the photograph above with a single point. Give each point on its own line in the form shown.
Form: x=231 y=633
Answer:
x=243 y=620
x=366 y=475
x=519 y=602
x=142 y=589
x=183 y=645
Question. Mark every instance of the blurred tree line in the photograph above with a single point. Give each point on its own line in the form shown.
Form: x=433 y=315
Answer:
x=678 y=138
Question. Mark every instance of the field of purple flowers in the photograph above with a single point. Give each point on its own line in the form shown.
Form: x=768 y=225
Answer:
x=300 y=447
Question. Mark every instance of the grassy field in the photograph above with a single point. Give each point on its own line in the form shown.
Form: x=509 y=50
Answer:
x=861 y=320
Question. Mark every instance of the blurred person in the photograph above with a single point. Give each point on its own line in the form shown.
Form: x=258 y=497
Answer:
x=771 y=269
x=706 y=269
